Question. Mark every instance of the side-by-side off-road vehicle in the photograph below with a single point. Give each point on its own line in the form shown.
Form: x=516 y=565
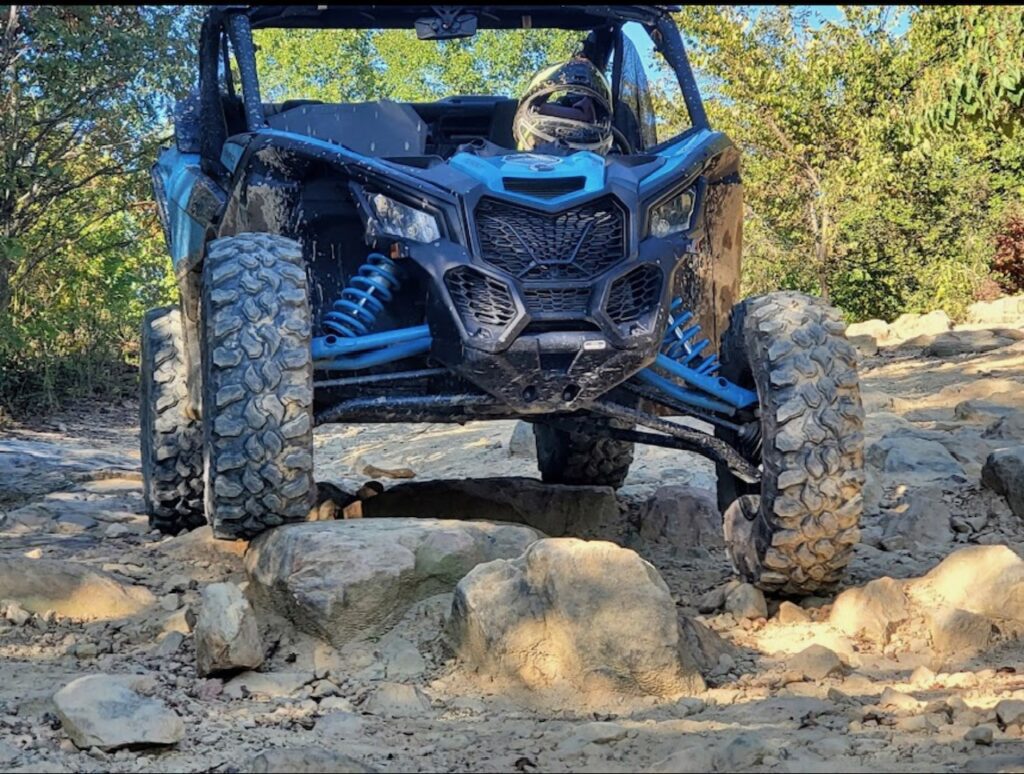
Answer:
x=404 y=262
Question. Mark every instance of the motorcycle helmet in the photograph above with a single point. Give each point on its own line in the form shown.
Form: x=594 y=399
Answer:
x=568 y=104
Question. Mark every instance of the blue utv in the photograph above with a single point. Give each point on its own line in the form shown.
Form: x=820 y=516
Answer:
x=411 y=262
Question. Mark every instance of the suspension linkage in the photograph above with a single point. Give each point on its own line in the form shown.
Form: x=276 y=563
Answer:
x=688 y=439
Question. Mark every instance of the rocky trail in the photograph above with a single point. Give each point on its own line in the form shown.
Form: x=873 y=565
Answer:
x=425 y=624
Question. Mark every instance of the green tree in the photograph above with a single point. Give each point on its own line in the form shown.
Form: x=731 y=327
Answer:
x=844 y=198
x=800 y=102
x=974 y=73
x=354 y=65
x=84 y=98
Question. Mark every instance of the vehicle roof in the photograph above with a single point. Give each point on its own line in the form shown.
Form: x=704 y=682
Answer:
x=572 y=17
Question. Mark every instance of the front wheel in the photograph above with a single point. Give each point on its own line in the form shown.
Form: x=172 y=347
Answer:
x=257 y=385
x=795 y=533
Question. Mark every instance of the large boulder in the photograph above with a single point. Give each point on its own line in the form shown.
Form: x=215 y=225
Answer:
x=573 y=617
x=69 y=589
x=683 y=515
x=910 y=325
x=227 y=635
x=341 y=579
x=866 y=346
x=916 y=459
x=104 y=711
x=924 y=521
x=1004 y=473
x=876 y=329
x=554 y=509
x=987 y=580
x=1009 y=309
x=1009 y=427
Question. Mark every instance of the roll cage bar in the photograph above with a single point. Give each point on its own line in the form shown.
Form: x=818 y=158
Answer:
x=232 y=26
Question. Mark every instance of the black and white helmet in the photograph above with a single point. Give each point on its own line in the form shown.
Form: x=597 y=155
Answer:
x=570 y=104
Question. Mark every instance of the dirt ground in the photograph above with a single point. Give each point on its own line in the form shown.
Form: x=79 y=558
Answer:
x=70 y=490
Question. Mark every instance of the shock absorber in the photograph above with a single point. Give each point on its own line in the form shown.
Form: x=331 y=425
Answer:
x=373 y=286
x=681 y=359
x=349 y=343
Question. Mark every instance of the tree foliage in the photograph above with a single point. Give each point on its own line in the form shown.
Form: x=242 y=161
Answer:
x=354 y=65
x=975 y=68
x=84 y=91
x=845 y=195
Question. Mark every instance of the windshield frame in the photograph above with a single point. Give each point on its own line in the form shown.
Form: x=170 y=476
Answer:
x=234 y=24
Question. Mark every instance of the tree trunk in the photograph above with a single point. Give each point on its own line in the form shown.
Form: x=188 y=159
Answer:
x=823 y=282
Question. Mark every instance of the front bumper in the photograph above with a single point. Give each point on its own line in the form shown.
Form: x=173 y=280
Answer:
x=538 y=359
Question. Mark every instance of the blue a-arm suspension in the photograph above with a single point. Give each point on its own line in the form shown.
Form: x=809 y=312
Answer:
x=349 y=344
x=681 y=358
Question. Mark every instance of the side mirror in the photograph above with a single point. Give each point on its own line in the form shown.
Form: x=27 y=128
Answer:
x=449 y=23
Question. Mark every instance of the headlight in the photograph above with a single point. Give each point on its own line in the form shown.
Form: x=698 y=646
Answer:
x=401 y=220
x=672 y=215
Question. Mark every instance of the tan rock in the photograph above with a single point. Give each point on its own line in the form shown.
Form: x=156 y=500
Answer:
x=341 y=579
x=576 y=616
x=873 y=610
x=1010 y=712
x=985 y=579
x=955 y=631
x=816 y=662
x=792 y=614
x=227 y=635
x=746 y=601
x=103 y=711
x=70 y=590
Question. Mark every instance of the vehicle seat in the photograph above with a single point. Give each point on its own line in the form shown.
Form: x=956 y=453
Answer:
x=382 y=128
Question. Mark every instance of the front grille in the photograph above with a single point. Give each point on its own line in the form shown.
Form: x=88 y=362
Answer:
x=479 y=297
x=556 y=300
x=578 y=243
x=544 y=188
x=634 y=294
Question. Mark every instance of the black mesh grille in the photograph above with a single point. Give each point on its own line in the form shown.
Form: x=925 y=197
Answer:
x=577 y=243
x=556 y=300
x=633 y=295
x=479 y=297
x=544 y=188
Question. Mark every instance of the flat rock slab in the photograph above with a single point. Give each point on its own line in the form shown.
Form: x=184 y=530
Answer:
x=954 y=343
x=554 y=509
x=343 y=579
x=306 y=760
x=29 y=468
x=69 y=589
x=103 y=711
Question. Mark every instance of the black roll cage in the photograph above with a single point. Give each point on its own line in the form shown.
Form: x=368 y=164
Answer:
x=234 y=24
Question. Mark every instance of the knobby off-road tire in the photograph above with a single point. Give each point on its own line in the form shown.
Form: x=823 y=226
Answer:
x=581 y=458
x=797 y=535
x=171 y=437
x=257 y=385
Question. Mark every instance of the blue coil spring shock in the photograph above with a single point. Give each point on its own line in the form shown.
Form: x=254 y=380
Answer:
x=684 y=344
x=373 y=286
